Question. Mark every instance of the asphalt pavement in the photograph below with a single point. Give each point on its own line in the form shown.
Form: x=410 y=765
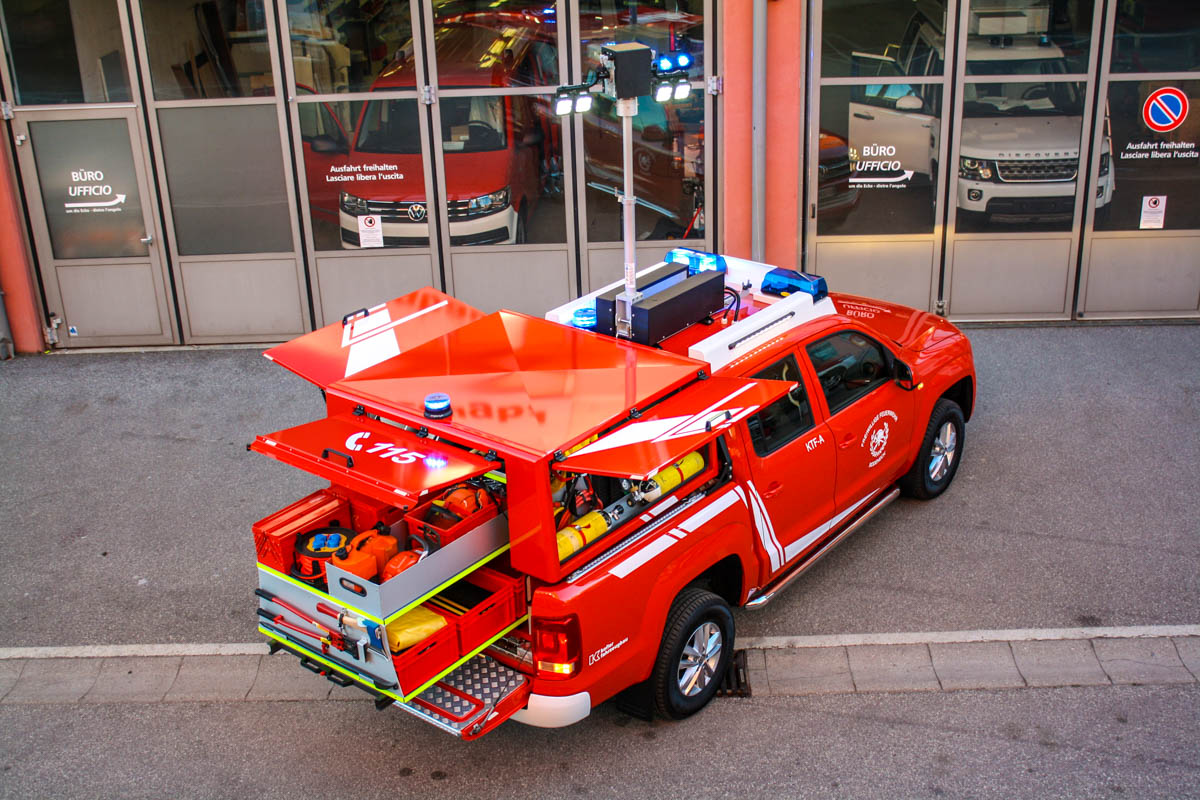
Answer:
x=128 y=496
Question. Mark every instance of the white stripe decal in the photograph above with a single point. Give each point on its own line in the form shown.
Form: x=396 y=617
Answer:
x=663 y=506
x=757 y=503
x=642 y=556
x=708 y=512
x=798 y=546
x=674 y=535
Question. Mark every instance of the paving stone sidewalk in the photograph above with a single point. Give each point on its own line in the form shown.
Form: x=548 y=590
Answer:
x=778 y=671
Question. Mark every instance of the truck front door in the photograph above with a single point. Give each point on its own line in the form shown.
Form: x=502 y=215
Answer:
x=792 y=463
x=869 y=414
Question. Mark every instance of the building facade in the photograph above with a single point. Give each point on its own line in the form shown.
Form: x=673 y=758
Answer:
x=222 y=171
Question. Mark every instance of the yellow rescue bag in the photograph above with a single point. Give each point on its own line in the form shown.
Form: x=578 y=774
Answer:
x=418 y=624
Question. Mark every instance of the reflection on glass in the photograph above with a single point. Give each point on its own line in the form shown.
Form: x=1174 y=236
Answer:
x=877 y=158
x=1019 y=156
x=668 y=165
x=342 y=47
x=65 y=51
x=1150 y=163
x=496 y=43
x=1004 y=33
x=225 y=172
x=908 y=37
x=89 y=188
x=214 y=48
x=663 y=25
x=1157 y=36
x=503 y=159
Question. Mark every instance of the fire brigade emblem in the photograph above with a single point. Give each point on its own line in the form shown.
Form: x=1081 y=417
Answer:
x=876 y=437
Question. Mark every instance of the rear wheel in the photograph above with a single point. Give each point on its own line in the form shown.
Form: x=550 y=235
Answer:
x=696 y=650
x=941 y=451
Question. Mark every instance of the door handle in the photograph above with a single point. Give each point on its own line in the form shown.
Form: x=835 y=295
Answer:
x=773 y=488
x=148 y=238
x=846 y=441
x=861 y=115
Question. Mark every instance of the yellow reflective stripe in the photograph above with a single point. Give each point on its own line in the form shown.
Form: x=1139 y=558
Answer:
x=463 y=660
x=323 y=595
x=438 y=589
x=496 y=476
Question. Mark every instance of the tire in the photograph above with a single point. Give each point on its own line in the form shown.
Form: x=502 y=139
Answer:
x=682 y=684
x=940 y=454
x=520 y=236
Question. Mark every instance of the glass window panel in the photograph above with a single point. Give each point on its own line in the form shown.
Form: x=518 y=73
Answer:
x=89 y=188
x=503 y=158
x=877 y=161
x=663 y=25
x=1147 y=163
x=887 y=37
x=225 y=172
x=1028 y=37
x=346 y=46
x=65 y=51
x=363 y=160
x=668 y=169
x=1019 y=156
x=1156 y=36
x=496 y=44
x=214 y=48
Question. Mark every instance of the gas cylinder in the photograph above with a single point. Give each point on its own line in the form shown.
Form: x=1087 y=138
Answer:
x=667 y=479
x=584 y=530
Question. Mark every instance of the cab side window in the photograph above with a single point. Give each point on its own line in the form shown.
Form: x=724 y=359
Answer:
x=849 y=365
x=786 y=418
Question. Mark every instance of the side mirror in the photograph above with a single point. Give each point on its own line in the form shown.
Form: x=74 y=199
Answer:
x=910 y=102
x=903 y=375
x=328 y=145
x=654 y=133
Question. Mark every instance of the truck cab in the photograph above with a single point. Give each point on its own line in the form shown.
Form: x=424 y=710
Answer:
x=527 y=517
x=1020 y=141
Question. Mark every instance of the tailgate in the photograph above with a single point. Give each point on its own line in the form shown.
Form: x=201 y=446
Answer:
x=380 y=460
x=670 y=430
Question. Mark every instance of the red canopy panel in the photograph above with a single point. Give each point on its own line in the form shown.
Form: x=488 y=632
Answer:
x=380 y=460
x=372 y=336
x=675 y=427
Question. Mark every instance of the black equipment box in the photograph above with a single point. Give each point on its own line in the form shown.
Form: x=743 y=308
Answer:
x=631 y=68
x=671 y=301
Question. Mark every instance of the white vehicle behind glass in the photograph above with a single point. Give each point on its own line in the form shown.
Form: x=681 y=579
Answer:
x=1019 y=148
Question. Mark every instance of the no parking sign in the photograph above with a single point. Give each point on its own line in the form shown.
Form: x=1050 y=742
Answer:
x=1165 y=109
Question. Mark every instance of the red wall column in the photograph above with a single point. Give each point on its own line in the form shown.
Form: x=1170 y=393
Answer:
x=16 y=266
x=786 y=55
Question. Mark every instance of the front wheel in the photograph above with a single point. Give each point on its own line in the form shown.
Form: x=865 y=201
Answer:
x=941 y=452
x=696 y=650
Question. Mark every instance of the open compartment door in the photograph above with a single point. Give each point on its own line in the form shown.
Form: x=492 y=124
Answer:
x=380 y=460
x=371 y=336
x=670 y=430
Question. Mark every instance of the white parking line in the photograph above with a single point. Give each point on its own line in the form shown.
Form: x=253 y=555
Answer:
x=961 y=637
x=747 y=642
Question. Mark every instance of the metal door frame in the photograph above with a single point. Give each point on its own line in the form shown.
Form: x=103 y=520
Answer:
x=45 y=263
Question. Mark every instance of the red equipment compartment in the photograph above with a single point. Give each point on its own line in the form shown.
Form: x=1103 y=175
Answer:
x=490 y=601
x=275 y=536
x=382 y=461
x=438 y=536
x=422 y=661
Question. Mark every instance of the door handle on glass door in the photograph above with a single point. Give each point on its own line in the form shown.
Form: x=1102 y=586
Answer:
x=148 y=238
x=773 y=488
x=861 y=115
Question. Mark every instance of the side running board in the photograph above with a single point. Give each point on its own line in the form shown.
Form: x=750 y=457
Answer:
x=770 y=592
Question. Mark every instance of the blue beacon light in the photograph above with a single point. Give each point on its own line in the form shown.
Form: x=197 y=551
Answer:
x=437 y=406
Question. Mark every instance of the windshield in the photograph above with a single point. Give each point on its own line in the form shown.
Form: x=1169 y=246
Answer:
x=1022 y=100
x=1017 y=66
x=469 y=125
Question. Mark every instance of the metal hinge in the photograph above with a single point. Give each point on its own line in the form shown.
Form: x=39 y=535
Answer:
x=427 y=95
x=52 y=329
x=941 y=308
x=6 y=109
x=716 y=84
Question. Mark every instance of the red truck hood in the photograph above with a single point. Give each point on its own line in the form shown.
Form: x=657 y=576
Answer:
x=907 y=327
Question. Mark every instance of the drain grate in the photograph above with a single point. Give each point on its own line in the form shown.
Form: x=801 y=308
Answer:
x=737 y=679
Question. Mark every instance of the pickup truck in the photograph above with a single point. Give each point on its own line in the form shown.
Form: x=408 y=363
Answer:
x=526 y=517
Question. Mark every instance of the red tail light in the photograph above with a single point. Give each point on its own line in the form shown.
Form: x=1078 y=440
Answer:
x=556 y=648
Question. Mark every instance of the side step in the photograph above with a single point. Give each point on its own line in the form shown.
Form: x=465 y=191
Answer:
x=472 y=699
x=769 y=593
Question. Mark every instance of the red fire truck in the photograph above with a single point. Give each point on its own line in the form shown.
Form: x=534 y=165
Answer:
x=526 y=517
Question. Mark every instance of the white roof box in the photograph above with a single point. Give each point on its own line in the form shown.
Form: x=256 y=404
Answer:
x=1008 y=17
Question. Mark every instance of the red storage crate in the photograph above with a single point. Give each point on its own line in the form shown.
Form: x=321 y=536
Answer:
x=428 y=657
x=438 y=536
x=275 y=536
x=502 y=605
